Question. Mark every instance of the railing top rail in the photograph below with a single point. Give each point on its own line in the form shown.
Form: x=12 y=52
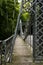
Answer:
x=7 y=39
x=0 y=41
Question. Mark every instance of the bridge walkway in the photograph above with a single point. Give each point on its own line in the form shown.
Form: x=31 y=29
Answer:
x=22 y=53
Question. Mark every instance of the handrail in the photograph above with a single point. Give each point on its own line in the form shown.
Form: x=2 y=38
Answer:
x=9 y=38
x=0 y=41
x=18 y=20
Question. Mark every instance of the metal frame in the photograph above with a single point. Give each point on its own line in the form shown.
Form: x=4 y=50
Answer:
x=37 y=30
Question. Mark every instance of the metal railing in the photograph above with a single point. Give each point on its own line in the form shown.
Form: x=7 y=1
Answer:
x=6 y=50
x=6 y=46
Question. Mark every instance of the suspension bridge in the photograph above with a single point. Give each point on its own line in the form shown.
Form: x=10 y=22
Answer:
x=25 y=49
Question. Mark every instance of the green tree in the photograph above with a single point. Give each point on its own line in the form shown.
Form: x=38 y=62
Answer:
x=8 y=18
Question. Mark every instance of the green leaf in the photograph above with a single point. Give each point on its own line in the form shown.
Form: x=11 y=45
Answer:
x=25 y=16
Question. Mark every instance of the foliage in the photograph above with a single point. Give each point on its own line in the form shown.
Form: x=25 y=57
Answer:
x=26 y=15
x=7 y=18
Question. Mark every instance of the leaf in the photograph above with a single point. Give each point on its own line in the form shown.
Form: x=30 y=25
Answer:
x=25 y=16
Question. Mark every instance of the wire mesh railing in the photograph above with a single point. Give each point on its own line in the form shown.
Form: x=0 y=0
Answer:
x=37 y=14
x=5 y=50
x=6 y=46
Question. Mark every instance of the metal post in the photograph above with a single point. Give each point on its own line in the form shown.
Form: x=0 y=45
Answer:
x=4 y=44
x=1 y=55
x=21 y=31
